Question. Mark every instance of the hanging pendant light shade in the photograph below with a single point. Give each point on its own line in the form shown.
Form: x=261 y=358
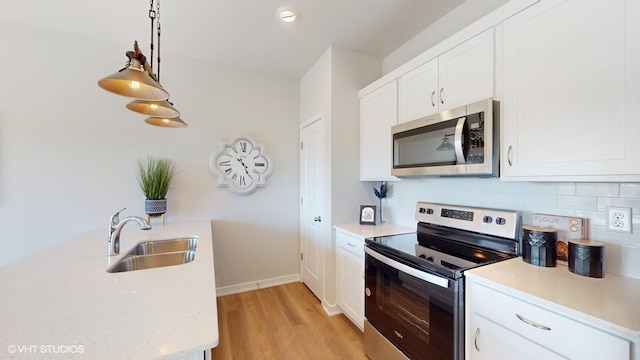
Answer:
x=175 y=122
x=161 y=109
x=134 y=82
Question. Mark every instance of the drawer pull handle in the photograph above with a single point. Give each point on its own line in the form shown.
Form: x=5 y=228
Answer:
x=510 y=154
x=476 y=339
x=534 y=324
x=350 y=244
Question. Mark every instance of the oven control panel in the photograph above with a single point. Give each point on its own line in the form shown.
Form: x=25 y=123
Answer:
x=504 y=223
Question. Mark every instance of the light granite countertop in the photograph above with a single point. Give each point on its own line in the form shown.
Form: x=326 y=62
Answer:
x=383 y=229
x=61 y=303
x=611 y=303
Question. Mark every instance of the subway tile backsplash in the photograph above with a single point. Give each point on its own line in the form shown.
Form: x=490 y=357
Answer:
x=586 y=200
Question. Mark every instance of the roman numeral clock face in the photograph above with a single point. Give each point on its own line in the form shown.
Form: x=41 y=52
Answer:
x=241 y=165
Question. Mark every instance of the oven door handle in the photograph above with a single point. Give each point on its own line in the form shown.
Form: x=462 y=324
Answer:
x=433 y=279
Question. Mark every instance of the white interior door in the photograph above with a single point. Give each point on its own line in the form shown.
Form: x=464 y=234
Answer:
x=312 y=204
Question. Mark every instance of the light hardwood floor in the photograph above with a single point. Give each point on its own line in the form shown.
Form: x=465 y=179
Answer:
x=283 y=322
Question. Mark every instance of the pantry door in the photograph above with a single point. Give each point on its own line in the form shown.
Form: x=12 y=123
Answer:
x=312 y=247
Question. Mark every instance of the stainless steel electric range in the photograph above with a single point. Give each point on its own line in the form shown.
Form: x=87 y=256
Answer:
x=414 y=283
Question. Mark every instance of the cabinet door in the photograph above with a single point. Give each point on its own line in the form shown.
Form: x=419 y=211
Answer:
x=571 y=90
x=466 y=72
x=350 y=277
x=378 y=113
x=418 y=92
x=487 y=340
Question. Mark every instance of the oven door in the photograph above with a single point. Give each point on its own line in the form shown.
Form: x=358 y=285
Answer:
x=419 y=312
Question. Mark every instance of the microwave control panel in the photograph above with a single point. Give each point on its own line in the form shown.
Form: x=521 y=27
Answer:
x=476 y=138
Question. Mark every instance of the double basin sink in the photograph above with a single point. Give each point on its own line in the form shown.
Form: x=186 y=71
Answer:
x=157 y=253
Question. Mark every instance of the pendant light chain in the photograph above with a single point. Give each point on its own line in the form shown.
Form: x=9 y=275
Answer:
x=158 y=17
x=152 y=17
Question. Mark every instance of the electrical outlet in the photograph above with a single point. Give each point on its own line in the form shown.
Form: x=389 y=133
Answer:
x=619 y=219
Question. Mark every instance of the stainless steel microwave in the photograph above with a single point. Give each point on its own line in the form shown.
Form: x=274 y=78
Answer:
x=460 y=141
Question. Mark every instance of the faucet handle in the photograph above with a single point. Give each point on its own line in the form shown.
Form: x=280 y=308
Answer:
x=115 y=218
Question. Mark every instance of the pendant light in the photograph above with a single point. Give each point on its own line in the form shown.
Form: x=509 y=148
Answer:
x=174 y=122
x=446 y=145
x=133 y=81
x=138 y=81
x=154 y=108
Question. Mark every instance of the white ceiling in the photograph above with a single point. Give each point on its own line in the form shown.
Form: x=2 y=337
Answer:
x=241 y=33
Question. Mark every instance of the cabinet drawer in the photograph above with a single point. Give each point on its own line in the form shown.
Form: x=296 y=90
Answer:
x=350 y=243
x=565 y=336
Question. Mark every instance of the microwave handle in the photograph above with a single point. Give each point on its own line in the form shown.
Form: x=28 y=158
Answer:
x=457 y=140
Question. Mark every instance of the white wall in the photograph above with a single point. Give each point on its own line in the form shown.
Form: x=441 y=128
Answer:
x=68 y=151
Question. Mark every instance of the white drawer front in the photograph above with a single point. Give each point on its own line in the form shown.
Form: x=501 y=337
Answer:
x=552 y=330
x=350 y=243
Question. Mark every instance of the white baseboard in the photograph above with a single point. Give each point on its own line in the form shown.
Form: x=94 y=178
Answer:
x=255 y=285
x=331 y=310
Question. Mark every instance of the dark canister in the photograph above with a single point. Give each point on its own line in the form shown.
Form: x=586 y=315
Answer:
x=539 y=245
x=586 y=258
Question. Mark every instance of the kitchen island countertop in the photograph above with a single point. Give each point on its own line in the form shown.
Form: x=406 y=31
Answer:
x=63 y=303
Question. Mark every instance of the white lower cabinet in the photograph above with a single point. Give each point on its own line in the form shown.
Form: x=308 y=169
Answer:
x=491 y=341
x=350 y=276
x=502 y=325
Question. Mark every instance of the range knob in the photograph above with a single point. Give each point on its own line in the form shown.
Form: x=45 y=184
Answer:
x=430 y=258
x=501 y=221
x=487 y=219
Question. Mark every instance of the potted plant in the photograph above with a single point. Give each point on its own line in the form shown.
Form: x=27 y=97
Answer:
x=154 y=176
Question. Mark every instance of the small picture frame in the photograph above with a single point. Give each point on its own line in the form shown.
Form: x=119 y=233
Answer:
x=367 y=214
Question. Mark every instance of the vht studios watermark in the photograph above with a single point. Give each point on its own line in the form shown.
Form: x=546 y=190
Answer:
x=45 y=349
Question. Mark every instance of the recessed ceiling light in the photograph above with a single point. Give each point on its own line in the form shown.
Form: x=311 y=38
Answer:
x=287 y=14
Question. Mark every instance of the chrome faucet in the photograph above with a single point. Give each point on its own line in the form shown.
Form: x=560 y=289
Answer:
x=115 y=227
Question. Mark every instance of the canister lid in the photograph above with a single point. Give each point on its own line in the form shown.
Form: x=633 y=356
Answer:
x=584 y=242
x=539 y=229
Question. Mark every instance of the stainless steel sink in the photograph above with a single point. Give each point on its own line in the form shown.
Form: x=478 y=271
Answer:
x=164 y=246
x=157 y=253
x=140 y=262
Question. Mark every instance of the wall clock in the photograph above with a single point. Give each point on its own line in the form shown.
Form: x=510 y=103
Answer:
x=241 y=165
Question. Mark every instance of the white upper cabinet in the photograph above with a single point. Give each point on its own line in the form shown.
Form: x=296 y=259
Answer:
x=378 y=113
x=466 y=72
x=418 y=92
x=460 y=76
x=571 y=91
